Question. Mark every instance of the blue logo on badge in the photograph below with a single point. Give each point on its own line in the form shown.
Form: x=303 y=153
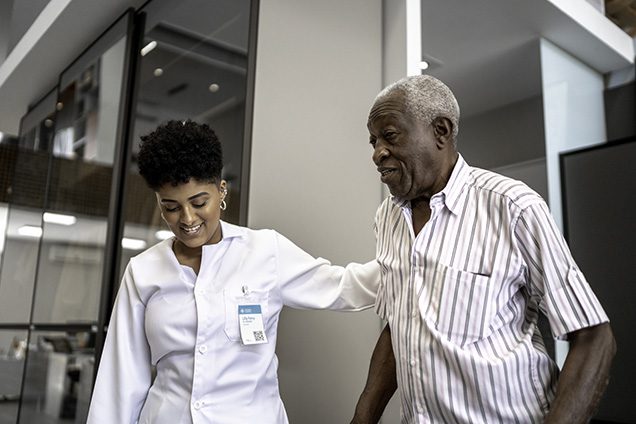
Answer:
x=249 y=309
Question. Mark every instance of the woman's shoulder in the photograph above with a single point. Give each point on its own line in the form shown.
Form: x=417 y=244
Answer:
x=156 y=257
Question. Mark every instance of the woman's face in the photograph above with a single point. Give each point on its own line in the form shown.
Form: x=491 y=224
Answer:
x=192 y=211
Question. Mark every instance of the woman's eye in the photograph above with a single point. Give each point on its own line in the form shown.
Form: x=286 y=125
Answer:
x=172 y=209
x=200 y=205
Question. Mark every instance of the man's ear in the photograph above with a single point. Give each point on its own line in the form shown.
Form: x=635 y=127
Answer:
x=443 y=131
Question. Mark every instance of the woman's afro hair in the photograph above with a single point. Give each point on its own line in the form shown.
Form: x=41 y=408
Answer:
x=178 y=151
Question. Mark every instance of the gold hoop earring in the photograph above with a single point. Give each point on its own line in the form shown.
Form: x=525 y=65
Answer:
x=223 y=205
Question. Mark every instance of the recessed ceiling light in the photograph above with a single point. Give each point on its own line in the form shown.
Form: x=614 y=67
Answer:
x=58 y=218
x=158 y=72
x=133 y=244
x=214 y=88
x=423 y=65
x=30 y=231
x=148 y=48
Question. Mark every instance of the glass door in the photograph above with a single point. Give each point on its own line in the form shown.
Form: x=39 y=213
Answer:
x=60 y=226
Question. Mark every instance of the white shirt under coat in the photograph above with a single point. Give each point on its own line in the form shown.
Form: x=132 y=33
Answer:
x=187 y=327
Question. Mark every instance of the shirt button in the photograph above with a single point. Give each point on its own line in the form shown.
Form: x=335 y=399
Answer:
x=203 y=348
x=414 y=314
x=413 y=362
x=198 y=404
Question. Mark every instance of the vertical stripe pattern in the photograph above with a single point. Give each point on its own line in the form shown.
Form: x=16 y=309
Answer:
x=463 y=297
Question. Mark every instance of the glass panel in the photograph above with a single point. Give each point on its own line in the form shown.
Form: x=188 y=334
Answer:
x=23 y=177
x=58 y=378
x=12 y=352
x=76 y=213
x=193 y=65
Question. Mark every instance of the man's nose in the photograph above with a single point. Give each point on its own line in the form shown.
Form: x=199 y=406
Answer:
x=379 y=154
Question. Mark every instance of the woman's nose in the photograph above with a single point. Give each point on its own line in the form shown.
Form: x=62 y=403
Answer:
x=187 y=216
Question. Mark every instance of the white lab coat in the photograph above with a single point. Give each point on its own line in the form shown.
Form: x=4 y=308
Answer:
x=187 y=327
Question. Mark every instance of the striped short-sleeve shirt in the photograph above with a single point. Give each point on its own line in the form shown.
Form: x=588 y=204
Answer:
x=462 y=300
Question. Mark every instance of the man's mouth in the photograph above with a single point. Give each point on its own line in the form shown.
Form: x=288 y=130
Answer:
x=386 y=173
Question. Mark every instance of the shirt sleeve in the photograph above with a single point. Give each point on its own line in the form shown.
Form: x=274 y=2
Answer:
x=565 y=296
x=314 y=283
x=124 y=374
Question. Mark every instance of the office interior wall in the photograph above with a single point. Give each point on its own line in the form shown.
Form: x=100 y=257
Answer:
x=318 y=69
x=503 y=136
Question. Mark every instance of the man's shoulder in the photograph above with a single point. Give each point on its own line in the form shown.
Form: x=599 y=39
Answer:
x=503 y=187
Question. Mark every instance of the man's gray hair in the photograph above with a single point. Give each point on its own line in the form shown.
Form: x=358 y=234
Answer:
x=426 y=98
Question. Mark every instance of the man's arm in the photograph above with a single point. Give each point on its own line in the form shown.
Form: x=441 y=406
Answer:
x=381 y=382
x=584 y=376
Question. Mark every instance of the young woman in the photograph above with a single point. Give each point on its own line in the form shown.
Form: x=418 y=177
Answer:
x=202 y=307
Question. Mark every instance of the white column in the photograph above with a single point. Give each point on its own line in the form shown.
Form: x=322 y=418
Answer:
x=574 y=114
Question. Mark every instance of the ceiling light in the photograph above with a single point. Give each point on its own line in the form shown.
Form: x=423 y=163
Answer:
x=30 y=231
x=148 y=48
x=133 y=244
x=158 y=72
x=59 y=106
x=1 y=136
x=163 y=234
x=214 y=88
x=423 y=65
x=58 y=218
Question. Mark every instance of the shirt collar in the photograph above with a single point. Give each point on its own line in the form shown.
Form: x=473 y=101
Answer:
x=228 y=230
x=450 y=194
x=455 y=185
x=231 y=231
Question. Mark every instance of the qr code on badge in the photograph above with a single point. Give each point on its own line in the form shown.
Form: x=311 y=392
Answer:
x=259 y=336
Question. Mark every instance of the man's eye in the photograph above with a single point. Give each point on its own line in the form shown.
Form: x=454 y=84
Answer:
x=389 y=135
x=372 y=141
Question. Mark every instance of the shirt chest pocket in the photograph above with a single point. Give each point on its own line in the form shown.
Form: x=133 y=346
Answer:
x=233 y=300
x=459 y=304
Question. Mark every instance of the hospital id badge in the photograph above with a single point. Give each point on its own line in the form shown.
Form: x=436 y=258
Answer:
x=251 y=324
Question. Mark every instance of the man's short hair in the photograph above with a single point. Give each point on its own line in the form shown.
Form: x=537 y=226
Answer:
x=426 y=98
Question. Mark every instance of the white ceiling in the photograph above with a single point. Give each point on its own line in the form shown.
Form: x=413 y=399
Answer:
x=487 y=50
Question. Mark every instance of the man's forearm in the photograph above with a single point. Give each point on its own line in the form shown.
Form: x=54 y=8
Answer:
x=584 y=376
x=381 y=382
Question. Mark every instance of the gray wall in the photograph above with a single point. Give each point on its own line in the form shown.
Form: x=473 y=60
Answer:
x=312 y=179
x=505 y=135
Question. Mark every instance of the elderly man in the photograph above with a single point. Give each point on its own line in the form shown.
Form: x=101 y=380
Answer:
x=469 y=259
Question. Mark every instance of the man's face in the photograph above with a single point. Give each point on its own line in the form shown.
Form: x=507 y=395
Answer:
x=405 y=151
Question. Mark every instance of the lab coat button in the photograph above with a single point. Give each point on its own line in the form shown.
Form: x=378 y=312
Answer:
x=198 y=404
x=203 y=348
